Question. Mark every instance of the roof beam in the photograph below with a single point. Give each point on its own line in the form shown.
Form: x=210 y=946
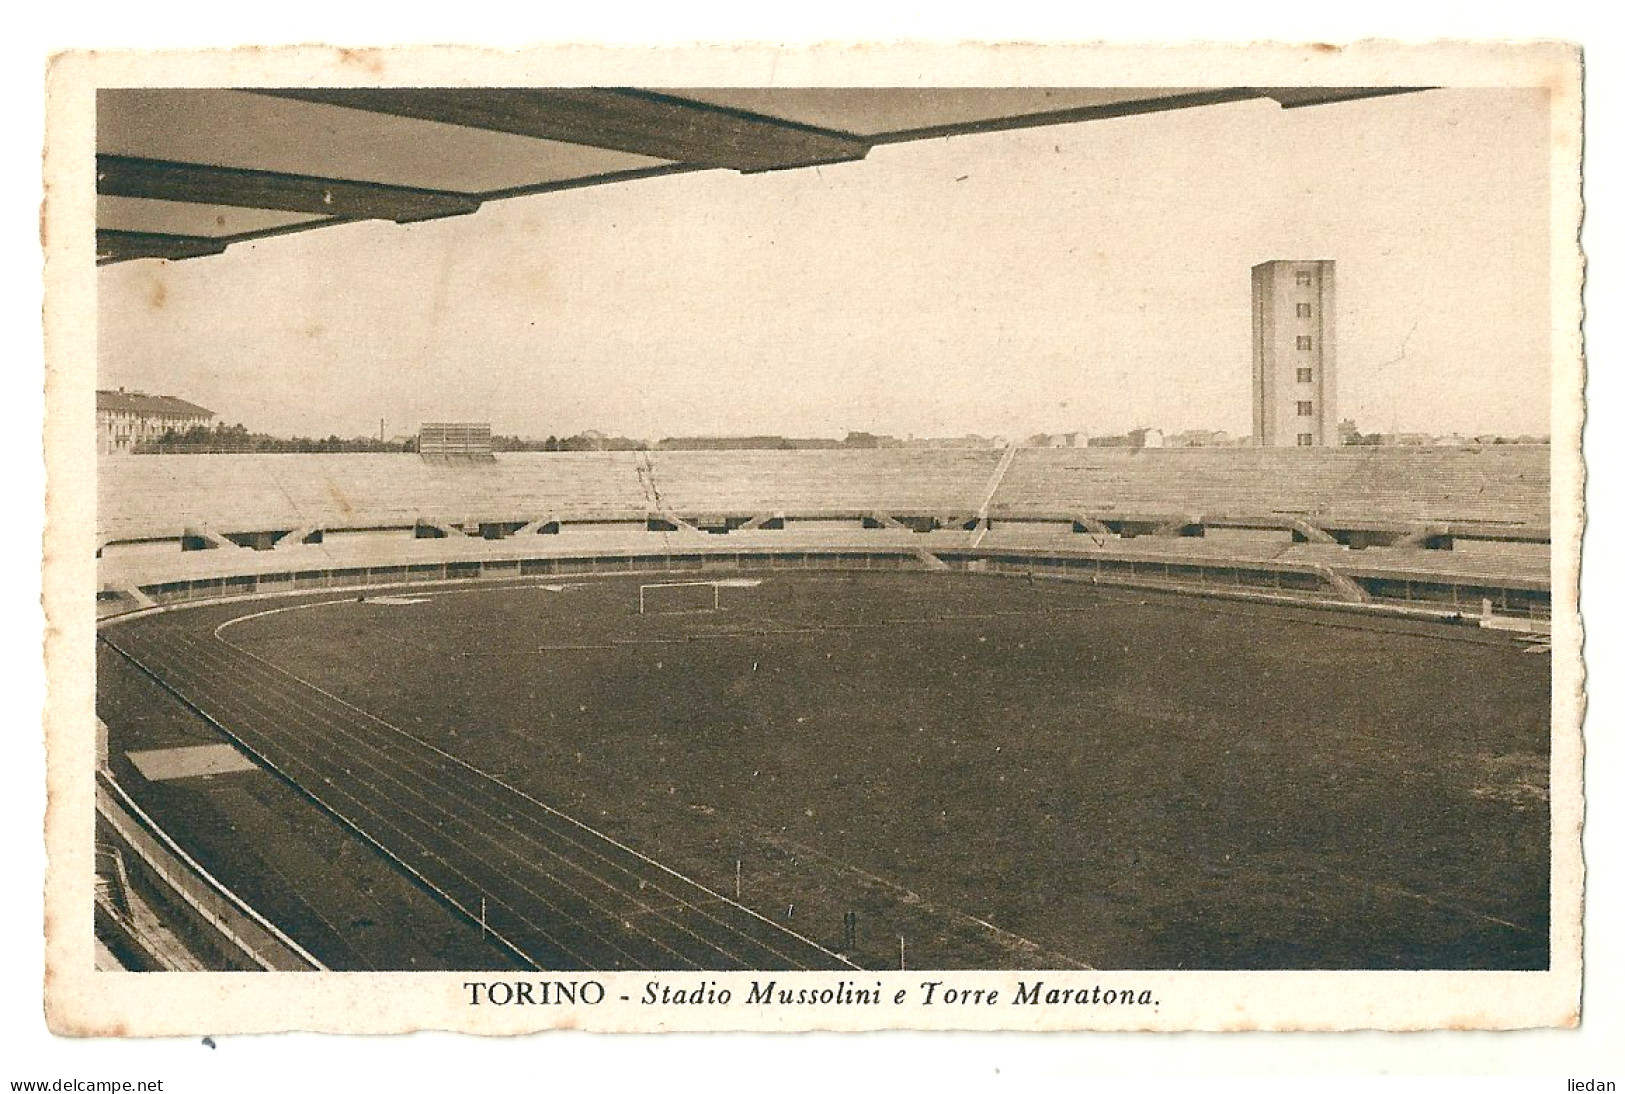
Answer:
x=1293 y=97
x=167 y=180
x=624 y=119
x=1069 y=115
x=1286 y=96
x=116 y=246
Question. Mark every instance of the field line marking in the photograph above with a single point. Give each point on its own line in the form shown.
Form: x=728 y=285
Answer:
x=287 y=680
x=277 y=611
x=300 y=788
x=1438 y=902
x=543 y=805
x=913 y=898
x=643 y=907
x=419 y=789
x=305 y=787
x=1011 y=936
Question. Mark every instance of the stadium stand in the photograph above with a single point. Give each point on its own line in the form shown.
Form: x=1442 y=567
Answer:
x=1346 y=524
x=859 y=480
x=1499 y=484
x=159 y=497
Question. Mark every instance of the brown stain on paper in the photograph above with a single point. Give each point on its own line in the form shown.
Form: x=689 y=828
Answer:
x=370 y=61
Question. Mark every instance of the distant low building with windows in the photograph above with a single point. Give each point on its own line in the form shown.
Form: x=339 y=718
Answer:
x=125 y=419
x=1199 y=438
x=1058 y=440
x=455 y=442
x=741 y=444
x=1150 y=437
x=968 y=440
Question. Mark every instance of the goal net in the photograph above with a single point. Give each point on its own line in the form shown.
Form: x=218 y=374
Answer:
x=679 y=596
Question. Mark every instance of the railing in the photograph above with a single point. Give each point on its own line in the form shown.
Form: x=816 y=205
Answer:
x=219 y=910
x=475 y=559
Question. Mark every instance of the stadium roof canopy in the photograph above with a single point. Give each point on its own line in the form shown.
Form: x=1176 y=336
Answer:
x=182 y=173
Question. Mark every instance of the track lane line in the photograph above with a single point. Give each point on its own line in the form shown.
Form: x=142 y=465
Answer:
x=346 y=821
x=605 y=838
x=507 y=818
x=426 y=824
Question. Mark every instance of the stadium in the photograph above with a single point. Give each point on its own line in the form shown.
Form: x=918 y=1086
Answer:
x=1275 y=706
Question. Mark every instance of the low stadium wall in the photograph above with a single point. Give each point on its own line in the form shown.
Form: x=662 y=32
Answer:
x=242 y=573
x=209 y=918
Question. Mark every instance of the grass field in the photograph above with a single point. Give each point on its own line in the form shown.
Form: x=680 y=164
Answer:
x=1007 y=774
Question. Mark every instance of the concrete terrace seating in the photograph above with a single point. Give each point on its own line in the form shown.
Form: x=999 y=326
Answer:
x=903 y=479
x=142 y=497
x=149 y=497
x=1489 y=566
x=1495 y=484
x=158 y=497
x=1490 y=498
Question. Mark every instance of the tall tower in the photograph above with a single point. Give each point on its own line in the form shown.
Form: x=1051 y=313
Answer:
x=1294 y=353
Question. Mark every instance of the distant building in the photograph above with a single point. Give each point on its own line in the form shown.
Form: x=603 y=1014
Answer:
x=596 y=440
x=455 y=441
x=1294 y=353
x=125 y=419
x=1058 y=440
x=742 y=444
x=1134 y=438
x=721 y=444
x=1198 y=438
x=969 y=440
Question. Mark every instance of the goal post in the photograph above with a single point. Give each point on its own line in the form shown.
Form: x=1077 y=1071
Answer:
x=679 y=596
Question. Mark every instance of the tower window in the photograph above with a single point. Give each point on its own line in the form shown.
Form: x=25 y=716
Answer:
x=1305 y=311
x=1306 y=408
x=1306 y=376
x=1306 y=440
x=1306 y=342
x=1306 y=277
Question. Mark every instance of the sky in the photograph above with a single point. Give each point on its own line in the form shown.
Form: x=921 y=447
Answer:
x=1089 y=277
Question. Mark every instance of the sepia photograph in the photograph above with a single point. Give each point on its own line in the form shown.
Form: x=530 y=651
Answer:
x=648 y=551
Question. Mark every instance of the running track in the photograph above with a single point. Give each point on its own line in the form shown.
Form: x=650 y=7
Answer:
x=555 y=892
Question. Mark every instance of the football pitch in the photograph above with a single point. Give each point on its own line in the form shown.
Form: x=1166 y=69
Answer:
x=978 y=771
